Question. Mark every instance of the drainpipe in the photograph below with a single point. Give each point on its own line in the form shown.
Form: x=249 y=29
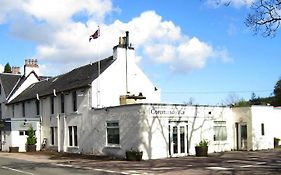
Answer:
x=58 y=133
x=64 y=136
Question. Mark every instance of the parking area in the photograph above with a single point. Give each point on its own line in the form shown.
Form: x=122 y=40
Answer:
x=236 y=162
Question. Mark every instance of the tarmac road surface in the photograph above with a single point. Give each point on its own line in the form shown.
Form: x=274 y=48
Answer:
x=12 y=166
x=232 y=163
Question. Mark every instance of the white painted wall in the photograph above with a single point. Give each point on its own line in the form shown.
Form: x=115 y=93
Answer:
x=267 y=116
x=30 y=79
x=200 y=126
x=141 y=129
x=14 y=139
x=254 y=116
x=112 y=82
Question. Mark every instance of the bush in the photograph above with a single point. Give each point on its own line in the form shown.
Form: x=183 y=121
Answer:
x=31 y=138
x=203 y=143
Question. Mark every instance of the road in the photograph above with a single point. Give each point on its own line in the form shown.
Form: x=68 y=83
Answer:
x=233 y=163
x=11 y=166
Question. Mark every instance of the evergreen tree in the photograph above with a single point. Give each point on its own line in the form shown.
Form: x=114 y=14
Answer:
x=277 y=93
x=31 y=139
x=7 y=68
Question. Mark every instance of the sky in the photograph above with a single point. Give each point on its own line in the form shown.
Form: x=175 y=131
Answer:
x=194 y=51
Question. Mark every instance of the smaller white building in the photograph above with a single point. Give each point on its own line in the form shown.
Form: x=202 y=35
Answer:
x=159 y=130
x=256 y=127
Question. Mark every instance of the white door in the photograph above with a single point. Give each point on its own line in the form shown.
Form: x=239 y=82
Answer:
x=178 y=141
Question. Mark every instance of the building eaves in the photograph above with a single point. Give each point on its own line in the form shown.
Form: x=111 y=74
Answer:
x=75 y=79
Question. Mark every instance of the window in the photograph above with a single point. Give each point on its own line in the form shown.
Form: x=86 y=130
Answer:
x=37 y=103
x=113 y=136
x=13 y=110
x=24 y=133
x=52 y=105
x=220 y=131
x=75 y=135
x=0 y=111
x=54 y=131
x=0 y=89
x=21 y=133
x=262 y=129
x=62 y=103
x=70 y=136
x=72 y=133
x=23 y=109
x=74 y=101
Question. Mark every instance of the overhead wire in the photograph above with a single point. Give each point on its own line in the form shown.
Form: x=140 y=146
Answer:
x=214 y=92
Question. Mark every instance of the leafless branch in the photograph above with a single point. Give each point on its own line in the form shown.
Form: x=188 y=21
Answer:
x=265 y=17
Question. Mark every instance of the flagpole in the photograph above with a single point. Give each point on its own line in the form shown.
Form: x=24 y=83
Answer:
x=98 y=79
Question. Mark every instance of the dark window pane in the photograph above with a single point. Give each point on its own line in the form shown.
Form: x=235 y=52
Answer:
x=175 y=139
x=52 y=105
x=74 y=101
x=52 y=136
x=70 y=135
x=262 y=129
x=182 y=139
x=62 y=103
x=113 y=136
x=37 y=107
x=75 y=136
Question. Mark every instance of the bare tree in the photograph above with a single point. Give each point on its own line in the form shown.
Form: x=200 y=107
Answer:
x=265 y=18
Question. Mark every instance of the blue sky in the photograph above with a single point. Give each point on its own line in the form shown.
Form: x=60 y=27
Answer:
x=189 y=49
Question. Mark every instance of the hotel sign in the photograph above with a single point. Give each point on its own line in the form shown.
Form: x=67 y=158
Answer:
x=166 y=112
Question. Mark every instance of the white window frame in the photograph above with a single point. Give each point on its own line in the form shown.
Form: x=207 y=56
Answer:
x=220 y=131
x=108 y=127
x=25 y=132
x=73 y=135
x=53 y=134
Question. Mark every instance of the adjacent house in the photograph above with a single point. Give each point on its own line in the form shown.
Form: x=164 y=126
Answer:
x=110 y=106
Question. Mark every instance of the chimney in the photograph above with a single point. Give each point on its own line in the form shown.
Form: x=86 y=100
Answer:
x=31 y=65
x=127 y=39
x=15 y=70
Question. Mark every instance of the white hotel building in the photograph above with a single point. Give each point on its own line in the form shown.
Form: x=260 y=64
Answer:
x=110 y=106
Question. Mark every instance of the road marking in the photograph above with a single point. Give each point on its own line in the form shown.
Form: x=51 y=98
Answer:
x=246 y=166
x=218 y=168
x=19 y=171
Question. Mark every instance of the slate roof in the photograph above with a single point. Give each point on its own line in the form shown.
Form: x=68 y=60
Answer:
x=75 y=79
x=9 y=81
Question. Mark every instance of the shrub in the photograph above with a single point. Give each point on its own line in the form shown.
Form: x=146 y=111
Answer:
x=31 y=138
x=203 y=143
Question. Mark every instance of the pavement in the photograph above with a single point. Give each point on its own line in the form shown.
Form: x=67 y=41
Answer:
x=235 y=162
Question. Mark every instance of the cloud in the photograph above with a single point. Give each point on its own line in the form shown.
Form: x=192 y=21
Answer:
x=1 y=68
x=234 y=3
x=61 y=31
x=7 y=7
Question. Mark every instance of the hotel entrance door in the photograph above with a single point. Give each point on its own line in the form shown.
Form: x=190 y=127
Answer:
x=178 y=138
